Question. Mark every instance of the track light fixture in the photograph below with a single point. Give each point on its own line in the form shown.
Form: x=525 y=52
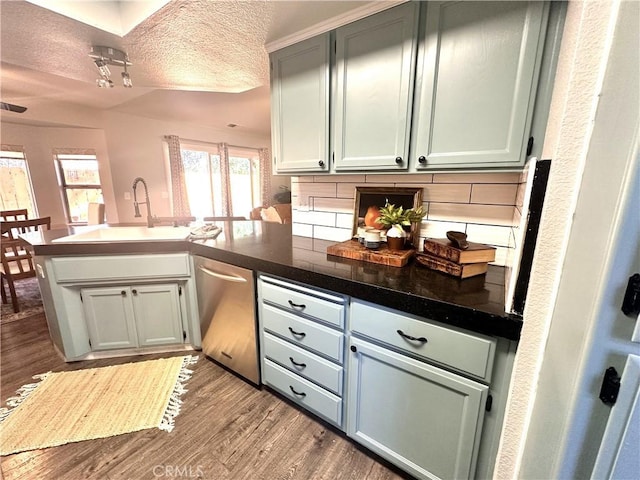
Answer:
x=105 y=56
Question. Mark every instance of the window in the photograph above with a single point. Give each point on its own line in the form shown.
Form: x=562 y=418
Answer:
x=15 y=182
x=204 y=180
x=79 y=179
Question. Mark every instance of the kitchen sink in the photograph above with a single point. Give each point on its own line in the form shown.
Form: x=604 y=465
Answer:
x=127 y=234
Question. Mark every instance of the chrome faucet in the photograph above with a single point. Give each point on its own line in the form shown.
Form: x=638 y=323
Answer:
x=146 y=202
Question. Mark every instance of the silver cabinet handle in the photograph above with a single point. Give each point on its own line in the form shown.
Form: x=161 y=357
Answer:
x=222 y=276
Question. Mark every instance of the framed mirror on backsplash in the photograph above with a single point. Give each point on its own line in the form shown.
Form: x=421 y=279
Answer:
x=369 y=201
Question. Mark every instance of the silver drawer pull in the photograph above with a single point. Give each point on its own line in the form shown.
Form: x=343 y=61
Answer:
x=297 y=334
x=300 y=394
x=409 y=337
x=300 y=365
x=301 y=306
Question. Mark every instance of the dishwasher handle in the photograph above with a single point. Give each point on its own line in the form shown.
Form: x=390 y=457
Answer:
x=222 y=276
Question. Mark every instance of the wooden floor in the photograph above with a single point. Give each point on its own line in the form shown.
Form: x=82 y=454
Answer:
x=227 y=429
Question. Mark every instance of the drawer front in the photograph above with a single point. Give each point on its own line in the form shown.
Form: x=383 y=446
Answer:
x=470 y=353
x=115 y=267
x=303 y=392
x=304 y=333
x=326 y=309
x=307 y=364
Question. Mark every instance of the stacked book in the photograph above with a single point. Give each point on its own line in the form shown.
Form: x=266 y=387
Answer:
x=440 y=254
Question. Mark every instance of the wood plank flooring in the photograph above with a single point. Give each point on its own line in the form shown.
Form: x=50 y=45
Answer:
x=227 y=429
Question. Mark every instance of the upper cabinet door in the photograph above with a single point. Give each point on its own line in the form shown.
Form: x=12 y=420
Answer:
x=476 y=83
x=300 y=106
x=375 y=67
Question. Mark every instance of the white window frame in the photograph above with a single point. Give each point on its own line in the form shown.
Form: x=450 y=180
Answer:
x=20 y=155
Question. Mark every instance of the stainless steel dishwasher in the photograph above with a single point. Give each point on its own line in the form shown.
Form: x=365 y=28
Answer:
x=226 y=304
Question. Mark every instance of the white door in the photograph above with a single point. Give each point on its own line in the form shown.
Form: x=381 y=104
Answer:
x=110 y=319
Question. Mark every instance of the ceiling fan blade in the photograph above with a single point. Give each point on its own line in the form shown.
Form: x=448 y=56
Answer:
x=12 y=108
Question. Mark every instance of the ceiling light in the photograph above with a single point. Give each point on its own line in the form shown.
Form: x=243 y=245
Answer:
x=104 y=83
x=102 y=67
x=105 y=56
x=126 y=78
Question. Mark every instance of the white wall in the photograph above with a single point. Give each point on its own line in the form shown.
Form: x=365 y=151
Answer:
x=136 y=149
x=127 y=146
x=538 y=406
x=38 y=143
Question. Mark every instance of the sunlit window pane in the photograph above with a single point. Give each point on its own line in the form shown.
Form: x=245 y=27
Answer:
x=15 y=184
x=79 y=178
x=79 y=199
x=80 y=172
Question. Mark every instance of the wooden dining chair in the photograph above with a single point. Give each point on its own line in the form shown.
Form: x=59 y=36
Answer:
x=17 y=262
x=12 y=215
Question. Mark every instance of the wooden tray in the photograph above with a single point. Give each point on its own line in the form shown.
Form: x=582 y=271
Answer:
x=383 y=255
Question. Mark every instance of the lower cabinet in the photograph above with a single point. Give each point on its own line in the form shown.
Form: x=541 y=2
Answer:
x=141 y=302
x=302 y=345
x=422 y=418
x=427 y=397
x=132 y=316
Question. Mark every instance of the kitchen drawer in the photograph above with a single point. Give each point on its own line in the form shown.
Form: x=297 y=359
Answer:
x=317 y=369
x=116 y=267
x=303 y=301
x=314 y=398
x=302 y=332
x=470 y=353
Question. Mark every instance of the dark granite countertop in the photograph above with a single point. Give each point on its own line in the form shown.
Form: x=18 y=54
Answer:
x=475 y=303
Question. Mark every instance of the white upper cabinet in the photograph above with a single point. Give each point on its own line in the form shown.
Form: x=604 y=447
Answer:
x=476 y=82
x=375 y=69
x=300 y=106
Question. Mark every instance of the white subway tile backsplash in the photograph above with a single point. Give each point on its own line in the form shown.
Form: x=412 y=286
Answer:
x=453 y=193
x=346 y=190
x=470 y=213
x=303 y=179
x=338 y=205
x=315 y=218
x=329 y=233
x=301 y=229
x=480 y=204
x=490 y=234
x=344 y=220
x=359 y=179
x=490 y=194
x=400 y=180
x=490 y=177
x=433 y=229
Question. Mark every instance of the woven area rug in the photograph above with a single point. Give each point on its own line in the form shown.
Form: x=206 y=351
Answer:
x=29 y=298
x=94 y=403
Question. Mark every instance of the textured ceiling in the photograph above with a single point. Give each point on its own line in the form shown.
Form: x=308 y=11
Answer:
x=213 y=51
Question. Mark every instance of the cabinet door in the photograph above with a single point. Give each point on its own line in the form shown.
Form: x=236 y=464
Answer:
x=375 y=61
x=157 y=313
x=424 y=419
x=110 y=318
x=300 y=106
x=477 y=78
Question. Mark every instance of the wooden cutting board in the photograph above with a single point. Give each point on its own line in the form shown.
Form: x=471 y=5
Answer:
x=383 y=255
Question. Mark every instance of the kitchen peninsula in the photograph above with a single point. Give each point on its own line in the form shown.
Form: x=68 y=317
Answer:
x=336 y=336
x=270 y=248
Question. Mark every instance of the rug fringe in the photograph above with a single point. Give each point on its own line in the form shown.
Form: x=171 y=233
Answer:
x=175 y=403
x=22 y=394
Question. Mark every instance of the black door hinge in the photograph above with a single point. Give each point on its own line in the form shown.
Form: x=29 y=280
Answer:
x=81 y=298
x=179 y=291
x=610 y=386
x=487 y=406
x=90 y=346
x=529 y=146
x=631 y=301
x=184 y=335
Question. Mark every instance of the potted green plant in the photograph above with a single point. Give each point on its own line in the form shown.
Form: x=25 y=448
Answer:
x=394 y=219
